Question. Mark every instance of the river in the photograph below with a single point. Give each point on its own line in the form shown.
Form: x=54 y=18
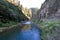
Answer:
x=28 y=32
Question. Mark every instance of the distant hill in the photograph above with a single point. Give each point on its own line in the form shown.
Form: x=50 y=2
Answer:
x=34 y=13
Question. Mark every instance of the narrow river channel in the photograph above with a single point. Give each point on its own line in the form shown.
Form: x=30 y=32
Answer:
x=28 y=32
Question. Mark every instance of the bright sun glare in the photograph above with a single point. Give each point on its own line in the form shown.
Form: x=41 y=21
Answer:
x=31 y=3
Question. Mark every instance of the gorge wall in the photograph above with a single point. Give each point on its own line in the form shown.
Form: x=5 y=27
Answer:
x=50 y=14
x=13 y=10
x=50 y=9
x=27 y=12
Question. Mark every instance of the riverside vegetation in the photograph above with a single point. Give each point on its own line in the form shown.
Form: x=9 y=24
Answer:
x=48 y=19
x=50 y=29
x=10 y=14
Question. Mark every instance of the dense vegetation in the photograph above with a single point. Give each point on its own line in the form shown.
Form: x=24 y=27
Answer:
x=49 y=17
x=50 y=29
x=10 y=14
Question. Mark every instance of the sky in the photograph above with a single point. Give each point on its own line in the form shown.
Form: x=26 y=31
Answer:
x=31 y=3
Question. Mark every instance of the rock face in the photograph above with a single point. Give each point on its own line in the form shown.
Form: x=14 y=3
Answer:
x=15 y=2
x=50 y=9
x=27 y=12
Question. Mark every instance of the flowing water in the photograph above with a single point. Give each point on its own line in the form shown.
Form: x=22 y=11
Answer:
x=28 y=32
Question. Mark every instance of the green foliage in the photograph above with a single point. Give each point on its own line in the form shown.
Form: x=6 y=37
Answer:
x=48 y=28
x=10 y=13
x=10 y=23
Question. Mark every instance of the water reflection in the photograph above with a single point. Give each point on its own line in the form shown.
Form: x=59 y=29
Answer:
x=28 y=32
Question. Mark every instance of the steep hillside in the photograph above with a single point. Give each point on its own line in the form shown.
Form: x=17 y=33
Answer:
x=50 y=9
x=27 y=12
x=10 y=12
x=49 y=14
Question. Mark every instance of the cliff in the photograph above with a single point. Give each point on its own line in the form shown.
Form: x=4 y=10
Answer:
x=50 y=9
x=15 y=2
x=27 y=12
x=50 y=14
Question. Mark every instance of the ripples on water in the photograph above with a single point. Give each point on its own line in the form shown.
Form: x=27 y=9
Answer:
x=33 y=33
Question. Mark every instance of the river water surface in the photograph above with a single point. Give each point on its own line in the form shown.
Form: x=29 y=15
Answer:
x=28 y=32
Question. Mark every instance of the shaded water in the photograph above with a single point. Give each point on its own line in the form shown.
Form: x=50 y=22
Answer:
x=29 y=32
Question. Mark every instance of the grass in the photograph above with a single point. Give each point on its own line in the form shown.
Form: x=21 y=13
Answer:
x=10 y=23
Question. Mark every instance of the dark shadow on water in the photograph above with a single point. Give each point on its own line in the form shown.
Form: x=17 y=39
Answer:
x=30 y=33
